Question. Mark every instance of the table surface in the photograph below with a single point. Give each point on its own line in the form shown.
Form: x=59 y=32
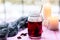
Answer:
x=46 y=35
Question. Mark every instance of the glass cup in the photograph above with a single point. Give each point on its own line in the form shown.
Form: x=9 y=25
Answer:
x=35 y=25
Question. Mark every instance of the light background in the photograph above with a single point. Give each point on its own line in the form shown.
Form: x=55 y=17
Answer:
x=14 y=9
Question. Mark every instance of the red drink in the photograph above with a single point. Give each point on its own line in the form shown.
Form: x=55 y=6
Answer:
x=34 y=27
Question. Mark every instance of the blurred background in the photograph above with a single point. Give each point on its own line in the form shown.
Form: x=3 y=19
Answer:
x=10 y=10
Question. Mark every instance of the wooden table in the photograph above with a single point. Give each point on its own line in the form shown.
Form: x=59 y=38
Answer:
x=46 y=35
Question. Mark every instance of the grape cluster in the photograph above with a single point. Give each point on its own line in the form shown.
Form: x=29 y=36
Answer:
x=12 y=28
